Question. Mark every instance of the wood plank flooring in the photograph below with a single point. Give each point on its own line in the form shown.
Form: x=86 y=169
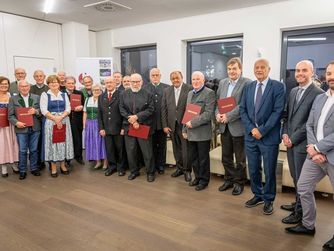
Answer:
x=88 y=211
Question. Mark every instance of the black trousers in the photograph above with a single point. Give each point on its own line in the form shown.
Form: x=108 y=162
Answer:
x=132 y=146
x=77 y=128
x=233 y=147
x=180 y=148
x=115 y=151
x=198 y=157
x=159 y=144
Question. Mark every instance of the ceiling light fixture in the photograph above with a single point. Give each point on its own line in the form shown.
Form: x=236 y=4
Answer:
x=105 y=1
x=305 y=39
x=48 y=5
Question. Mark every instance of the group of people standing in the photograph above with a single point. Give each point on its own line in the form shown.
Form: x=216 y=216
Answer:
x=126 y=126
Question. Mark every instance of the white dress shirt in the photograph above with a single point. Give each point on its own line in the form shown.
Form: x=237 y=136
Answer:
x=324 y=112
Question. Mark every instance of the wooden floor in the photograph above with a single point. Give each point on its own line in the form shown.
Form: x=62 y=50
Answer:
x=88 y=211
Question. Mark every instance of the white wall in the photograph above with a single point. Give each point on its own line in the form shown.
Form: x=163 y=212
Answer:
x=261 y=27
x=92 y=44
x=28 y=38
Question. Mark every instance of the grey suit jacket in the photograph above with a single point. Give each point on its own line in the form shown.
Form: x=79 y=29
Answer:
x=202 y=126
x=234 y=120
x=296 y=116
x=170 y=112
x=13 y=88
x=15 y=102
x=326 y=145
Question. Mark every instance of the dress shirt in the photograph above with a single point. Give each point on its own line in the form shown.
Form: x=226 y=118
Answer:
x=26 y=100
x=264 y=84
x=231 y=87
x=324 y=112
x=177 y=93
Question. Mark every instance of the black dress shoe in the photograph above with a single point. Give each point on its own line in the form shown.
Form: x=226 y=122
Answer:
x=64 y=172
x=121 y=173
x=225 y=186
x=253 y=202
x=195 y=182
x=42 y=166
x=80 y=161
x=187 y=176
x=36 y=173
x=23 y=175
x=329 y=245
x=4 y=175
x=161 y=170
x=178 y=172
x=268 y=208
x=110 y=171
x=200 y=187
x=132 y=176
x=237 y=189
x=289 y=207
x=150 y=177
x=293 y=218
x=54 y=175
x=300 y=229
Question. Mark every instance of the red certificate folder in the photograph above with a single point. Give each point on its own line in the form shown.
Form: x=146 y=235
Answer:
x=142 y=132
x=4 y=117
x=23 y=116
x=226 y=105
x=59 y=135
x=75 y=100
x=190 y=112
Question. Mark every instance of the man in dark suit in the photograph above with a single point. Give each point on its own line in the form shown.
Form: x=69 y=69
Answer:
x=20 y=74
x=198 y=131
x=232 y=130
x=294 y=131
x=261 y=109
x=320 y=158
x=118 y=80
x=110 y=126
x=76 y=117
x=27 y=136
x=159 y=140
x=137 y=108
x=173 y=105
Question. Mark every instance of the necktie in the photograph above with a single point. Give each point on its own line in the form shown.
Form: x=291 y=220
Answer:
x=109 y=96
x=299 y=94
x=258 y=98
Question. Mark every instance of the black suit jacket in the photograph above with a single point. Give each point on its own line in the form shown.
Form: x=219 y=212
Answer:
x=109 y=116
x=170 y=112
x=296 y=116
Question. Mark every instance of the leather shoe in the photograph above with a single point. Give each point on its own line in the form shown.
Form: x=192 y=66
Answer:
x=187 y=176
x=178 y=172
x=195 y=182
x=161 y=170
x=132 y=176
x=54 y=175
x=200 y=187
x=300 y=229
x=80 y=161
x=4 y=175
x=110 y=171
x=237 y=189
x=253 y=202
x=293 y=218
x=329 y=245
x=268 y=208
x=150 y=177
x=121 y=173
x=64 y=172
x=23 y=175
x=225 y=186
x=36 y=173
x=289 y=207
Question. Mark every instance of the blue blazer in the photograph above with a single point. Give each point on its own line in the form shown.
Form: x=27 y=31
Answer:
x=269 y=114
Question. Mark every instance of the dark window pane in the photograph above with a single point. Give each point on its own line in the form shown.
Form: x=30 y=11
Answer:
x=139 y=60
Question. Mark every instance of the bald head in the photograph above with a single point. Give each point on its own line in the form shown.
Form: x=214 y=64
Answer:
x=304 y=72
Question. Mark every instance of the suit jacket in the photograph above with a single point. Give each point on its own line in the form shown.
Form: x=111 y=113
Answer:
x=76 y=117
x=269 y=114
x=13 y=88
x=157 y=92
x=202 y=126
x=235 y=125
x=137 y=103
x=170 y=112
x=16 y=102
x=326 y=145
x=109 y=116
x=296 y=116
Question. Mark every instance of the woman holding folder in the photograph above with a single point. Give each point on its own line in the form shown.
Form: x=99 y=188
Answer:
x=57 y=135
x=9 y=152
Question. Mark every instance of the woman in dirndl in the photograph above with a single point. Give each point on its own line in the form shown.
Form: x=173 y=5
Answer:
x=94 y=142
x=55 y=106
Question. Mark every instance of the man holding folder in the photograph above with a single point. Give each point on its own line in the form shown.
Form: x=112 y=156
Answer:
x=231 y=128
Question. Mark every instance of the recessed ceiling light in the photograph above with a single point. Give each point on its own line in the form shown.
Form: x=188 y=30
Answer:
x=48 y=5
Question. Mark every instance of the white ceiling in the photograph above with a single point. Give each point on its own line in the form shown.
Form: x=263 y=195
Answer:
x=143 y=11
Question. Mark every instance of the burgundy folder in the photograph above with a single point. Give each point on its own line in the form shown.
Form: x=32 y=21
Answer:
x=142 y=132
x=23 y=116
x=4 y=117
x=75 y=100
x=190 y=112
x=226 y=105
x=59 y=135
